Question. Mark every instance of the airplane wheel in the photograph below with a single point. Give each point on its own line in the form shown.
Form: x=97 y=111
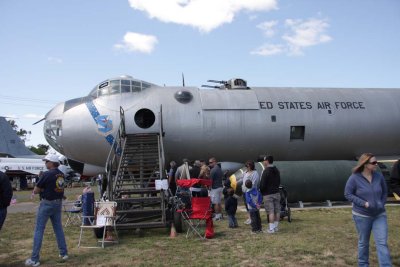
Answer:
x=178 y=222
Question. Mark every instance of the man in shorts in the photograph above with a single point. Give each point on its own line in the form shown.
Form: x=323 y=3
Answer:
x=216 y=187
x=269 y=188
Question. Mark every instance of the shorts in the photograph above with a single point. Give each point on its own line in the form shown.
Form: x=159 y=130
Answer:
x=272 y=203
x=216 y=195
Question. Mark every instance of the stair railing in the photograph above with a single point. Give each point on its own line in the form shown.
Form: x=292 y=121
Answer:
x=113 y=162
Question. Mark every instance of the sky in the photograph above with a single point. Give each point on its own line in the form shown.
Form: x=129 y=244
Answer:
x=55 y=50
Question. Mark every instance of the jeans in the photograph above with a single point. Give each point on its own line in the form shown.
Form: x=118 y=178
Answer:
x=255 y=220
x=378 y=226
x=3 y=214
x=232 y=221
x=48 y=209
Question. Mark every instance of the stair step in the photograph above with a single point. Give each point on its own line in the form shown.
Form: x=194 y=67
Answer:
x=139 y=212
x=138 y=191
x=138 y=199
x=140 y=225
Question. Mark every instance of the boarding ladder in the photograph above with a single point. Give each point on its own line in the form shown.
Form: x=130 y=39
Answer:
x=135 y=162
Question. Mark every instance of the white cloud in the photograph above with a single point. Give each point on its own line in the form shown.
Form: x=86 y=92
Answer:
x=268 y=27
x=33 y=116
x=205 y=15
x=137 y=42
x=299 y=34
x=305 y=33
x=268 y=50
x=55 y=60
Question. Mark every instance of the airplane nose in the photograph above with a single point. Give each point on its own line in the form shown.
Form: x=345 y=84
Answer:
x=53 y=127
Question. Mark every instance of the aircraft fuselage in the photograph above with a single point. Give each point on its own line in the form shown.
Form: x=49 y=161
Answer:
x=235 y=125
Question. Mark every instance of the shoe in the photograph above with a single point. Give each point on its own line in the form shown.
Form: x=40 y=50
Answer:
x=254 y=232
x=276 y=229
x=248 y=221
x=30 y=262
x=65 y=257
x=217 y=219
x=269 y=231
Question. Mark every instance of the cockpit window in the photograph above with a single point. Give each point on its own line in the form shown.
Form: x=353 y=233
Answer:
x=115 y=87
x=125 y=86
x=111 y=87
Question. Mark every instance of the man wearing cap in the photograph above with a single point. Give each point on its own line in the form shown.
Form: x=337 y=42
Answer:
x=51 y=188
x=269 y=187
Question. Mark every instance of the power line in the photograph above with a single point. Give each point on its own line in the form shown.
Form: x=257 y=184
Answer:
x=28 y=99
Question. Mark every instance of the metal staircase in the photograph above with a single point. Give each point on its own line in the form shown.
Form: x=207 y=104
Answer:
x=134 y=163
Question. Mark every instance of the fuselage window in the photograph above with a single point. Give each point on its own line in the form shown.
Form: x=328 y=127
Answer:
x=297 y=132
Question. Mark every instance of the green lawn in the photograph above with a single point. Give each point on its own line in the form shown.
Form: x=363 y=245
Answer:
x=321 y=237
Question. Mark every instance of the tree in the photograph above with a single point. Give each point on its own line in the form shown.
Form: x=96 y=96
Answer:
x=41 y=149
x=22 y=133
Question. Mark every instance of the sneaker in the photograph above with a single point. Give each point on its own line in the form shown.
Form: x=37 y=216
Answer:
x=65 y=257
x=30 y=262
x=248 y=221
x=269 y=231
x=217 y=219
x=276 y=229
x=254 y=232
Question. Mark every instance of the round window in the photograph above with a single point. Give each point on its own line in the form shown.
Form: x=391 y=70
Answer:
x=145 y=118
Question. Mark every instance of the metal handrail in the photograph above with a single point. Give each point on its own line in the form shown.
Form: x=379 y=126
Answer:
x=115 y=152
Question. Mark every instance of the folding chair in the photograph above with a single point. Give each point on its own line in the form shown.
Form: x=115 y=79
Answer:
x=200 y=212
x=73 y=210
x=105 y=219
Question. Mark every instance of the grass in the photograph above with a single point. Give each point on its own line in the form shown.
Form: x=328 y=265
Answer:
x=321 y=237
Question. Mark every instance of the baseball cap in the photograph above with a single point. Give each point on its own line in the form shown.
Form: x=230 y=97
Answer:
x=51 y=157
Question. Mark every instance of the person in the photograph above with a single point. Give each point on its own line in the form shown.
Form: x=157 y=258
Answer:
x=182 y=172
x=252 y=175
x=253 y=202
x=204 y=172
x=99 y=181
x=194 y=174
x=367 y=190
x=230 y=208
x=216 y=187
x=171 y=177
x=6 y=193
x=195 y=170
x=269 y=188
x=395 y=177
x=51 y=188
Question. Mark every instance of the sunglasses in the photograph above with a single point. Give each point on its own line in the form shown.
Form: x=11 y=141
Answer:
x=373 y=163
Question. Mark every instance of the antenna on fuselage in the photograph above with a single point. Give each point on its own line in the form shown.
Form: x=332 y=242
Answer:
x=183 y=80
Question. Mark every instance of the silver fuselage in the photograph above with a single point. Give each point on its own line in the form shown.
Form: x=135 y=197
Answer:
x=236 y=125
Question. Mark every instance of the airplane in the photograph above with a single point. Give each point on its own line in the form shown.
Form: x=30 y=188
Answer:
x=231 y=121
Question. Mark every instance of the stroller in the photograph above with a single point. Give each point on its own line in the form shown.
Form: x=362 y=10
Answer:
x=285 y=209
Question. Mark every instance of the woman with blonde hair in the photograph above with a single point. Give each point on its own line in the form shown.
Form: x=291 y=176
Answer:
x=367 y=190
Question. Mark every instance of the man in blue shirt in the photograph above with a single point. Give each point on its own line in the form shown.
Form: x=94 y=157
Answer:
x=51 y=189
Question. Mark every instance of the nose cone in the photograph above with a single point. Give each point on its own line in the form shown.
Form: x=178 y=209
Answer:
x=53 y=127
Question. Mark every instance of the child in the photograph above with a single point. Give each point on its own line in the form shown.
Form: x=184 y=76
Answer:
x=231 y=207
x=254 y=200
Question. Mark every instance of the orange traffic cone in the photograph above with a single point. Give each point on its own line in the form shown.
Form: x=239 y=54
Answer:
x=173 y=231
